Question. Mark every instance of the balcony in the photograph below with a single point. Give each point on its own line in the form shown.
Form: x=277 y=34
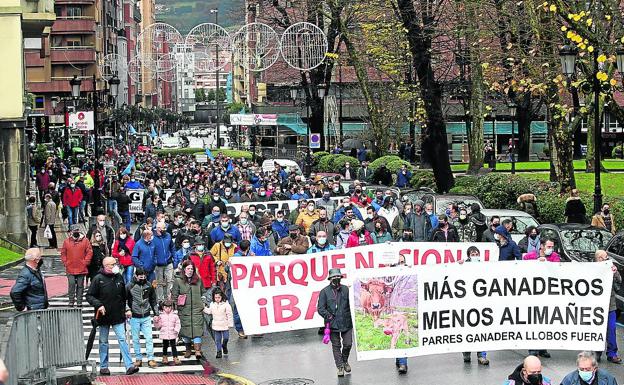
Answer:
x=59 y=55
x=136 y=13
x=74 y=2
x=84 y=25
x=36 y=16
x=59 y=85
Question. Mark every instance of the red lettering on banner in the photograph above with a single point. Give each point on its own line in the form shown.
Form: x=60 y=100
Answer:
x=449 y=257
x=427 y=253
x=290 y=306
x=301 y=280
x=335 y=264
x=487 y=254
x=362 y=263
x=264 y=317
x=312 y=305
x=276 y=270
x=315 y=276
x=256 y=275
x=238 y=272
x=416 y=261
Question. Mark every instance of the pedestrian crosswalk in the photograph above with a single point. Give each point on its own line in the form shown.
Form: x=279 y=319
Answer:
x=116 y=365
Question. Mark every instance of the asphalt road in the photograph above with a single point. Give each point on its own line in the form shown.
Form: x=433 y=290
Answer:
x=301 y=354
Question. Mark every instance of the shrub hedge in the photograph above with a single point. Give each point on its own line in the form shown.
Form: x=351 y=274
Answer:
x=500 y=191
x=334 y=162
x=374 y=165
x=423 y=178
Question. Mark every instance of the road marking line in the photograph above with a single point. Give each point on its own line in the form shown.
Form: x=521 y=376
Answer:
x=234 y=377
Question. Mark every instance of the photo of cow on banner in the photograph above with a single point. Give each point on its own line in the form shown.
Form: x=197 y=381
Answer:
x=386 y=312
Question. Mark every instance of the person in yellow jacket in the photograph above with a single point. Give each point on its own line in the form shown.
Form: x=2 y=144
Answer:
x=222 y=252
x=88 y=180
x=307 y=217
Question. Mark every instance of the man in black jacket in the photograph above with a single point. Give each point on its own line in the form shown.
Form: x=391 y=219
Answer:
x=107 y=232
x=123 y=206
x=142 y=303
x=107 y=294
x=333 y=306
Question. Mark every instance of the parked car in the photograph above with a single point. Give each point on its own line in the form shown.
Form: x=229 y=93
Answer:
x=441 y=201
x=576 y=242
x=520 y=220
x=615 y=249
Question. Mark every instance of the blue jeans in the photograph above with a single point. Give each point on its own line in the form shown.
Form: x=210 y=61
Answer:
x=221 y=337
x=612 y=348
x=126 y=218
x=112 y=211
x=238 y=325
x=120 y=332
x=127 y=274
x=72 y=215
x=401 y=361
x=138 y=326
x=196 y=340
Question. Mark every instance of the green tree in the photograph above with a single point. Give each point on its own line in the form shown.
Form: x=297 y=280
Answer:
x=200 y=95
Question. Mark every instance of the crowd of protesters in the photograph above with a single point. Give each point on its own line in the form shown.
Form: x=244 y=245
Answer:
x=173 y=265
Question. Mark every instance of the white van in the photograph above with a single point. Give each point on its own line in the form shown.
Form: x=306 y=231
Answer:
x=287 y=164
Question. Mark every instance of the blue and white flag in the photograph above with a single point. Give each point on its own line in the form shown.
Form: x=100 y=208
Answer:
x=131 y=129
x=153 y=134
x=128 y=169
x=210 y=156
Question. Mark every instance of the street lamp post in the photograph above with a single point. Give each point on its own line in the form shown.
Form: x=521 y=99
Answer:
x=512 y=112
x=321 y=93
x=216 y=13
x=567 y=55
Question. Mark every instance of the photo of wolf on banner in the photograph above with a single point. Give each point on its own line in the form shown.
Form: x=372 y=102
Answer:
x=386 y=312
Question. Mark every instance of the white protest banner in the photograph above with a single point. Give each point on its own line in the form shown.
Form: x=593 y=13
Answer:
x=279 y=293
x=136 y=196
x=234 y=209
x=168 y=193
x=475 y=307
x=81 y=120
x=201 y=158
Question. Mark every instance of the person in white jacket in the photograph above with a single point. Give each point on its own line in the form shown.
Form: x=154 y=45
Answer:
x=222 y=321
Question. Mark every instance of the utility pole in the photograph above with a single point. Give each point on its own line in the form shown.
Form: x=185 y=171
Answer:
x=216 y=13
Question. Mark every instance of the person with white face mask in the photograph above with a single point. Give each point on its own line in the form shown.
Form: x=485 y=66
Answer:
x=107 y=294
x=108 y=234
x=587 y=372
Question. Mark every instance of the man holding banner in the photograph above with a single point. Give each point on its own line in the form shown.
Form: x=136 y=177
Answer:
x=333 y=306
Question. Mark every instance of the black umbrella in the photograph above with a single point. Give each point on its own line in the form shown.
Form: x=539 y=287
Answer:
x=94 y=325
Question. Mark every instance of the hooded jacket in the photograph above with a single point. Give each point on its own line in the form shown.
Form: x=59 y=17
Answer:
x=164 y=249
x=575 y=211
x=76 y=255
x=479 y=220
x=141 y=299
x=510 y=250
x=143 y=255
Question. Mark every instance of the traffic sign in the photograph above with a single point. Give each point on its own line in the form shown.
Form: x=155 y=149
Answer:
x=315 y=141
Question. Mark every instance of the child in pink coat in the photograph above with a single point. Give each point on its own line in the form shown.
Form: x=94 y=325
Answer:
x=169 y=325
x=222 y=321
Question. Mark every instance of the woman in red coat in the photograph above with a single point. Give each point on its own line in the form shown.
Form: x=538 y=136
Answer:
x=122 y=251
x=72 y=196
x=359 y=235
x=205 y=264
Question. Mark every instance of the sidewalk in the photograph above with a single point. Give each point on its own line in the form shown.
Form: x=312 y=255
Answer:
x=53 y=270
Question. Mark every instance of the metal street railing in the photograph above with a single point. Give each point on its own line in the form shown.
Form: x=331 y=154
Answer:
x=37 y=343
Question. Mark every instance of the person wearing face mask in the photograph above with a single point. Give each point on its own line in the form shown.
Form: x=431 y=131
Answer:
x=431 y=216
x=100 y=251
x=183 y=253
x=164 y=251
x=388 y=210
x=531 y=240
x=327 y=203
x=107 y=294
x=466 y=229
x=42 y=180
x=381 y=233
x=359 y=235
x=195 y=208
x=604 y=219
x=29 y=291
x=216 y=201
x=123 y=206
x=144 y=255
x=122 y=251
x=204 y=264
x=222 y=251
x=230 y=196
x=333 y=306
x=588 y=373
x=107 y=232
x=529 y=372
x=262 y=194
x=488 y=235
x=295 y=243
x=76 y=256
x=509 y=250
x=225 y=227
x=323 y=224
x=249 y=195
x=321 y=243
x=50 y=217
x=246 y=227
x=260 y=245
x=280 y=225
x=302 y=205
x=142 y=302
x=445 y=232
x=72 y=197
x=133 y=184
x=308 y=216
